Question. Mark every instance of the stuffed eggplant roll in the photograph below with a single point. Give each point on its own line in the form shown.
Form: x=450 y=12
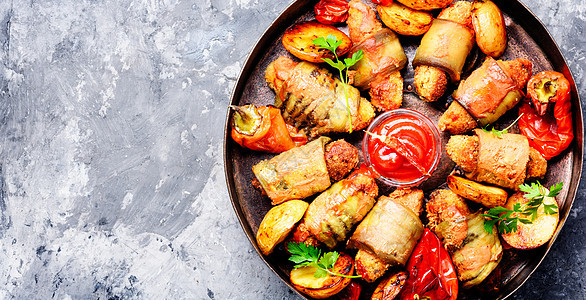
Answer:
x=493 y=88
x=304 y=171
x=383 y=58
x=390 y=231
x=310 y=98
x=505 y=161
x=331 y=216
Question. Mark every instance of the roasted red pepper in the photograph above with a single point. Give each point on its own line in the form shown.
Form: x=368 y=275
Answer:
x=548 y=133
x=264 y=129
x=331 y=12
x=351 y=292
x=431 y=272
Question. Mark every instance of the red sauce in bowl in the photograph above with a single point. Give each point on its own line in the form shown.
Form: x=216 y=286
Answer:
x=415 y=150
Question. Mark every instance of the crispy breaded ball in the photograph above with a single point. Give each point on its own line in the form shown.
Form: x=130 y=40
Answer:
x=459 y=12
x=341 y=158
x=430 y=83
x=537 y=165
x=456 y=120
x=387 y=93
x=463 y=150
x=369 y=266
x=450 y=210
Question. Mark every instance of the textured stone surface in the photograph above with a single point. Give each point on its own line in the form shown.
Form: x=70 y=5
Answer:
x=111 y=130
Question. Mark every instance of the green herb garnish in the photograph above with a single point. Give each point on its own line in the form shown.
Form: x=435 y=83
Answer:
x=503 y=217
x=499 y=133
x=331 y=43
x=309 y=256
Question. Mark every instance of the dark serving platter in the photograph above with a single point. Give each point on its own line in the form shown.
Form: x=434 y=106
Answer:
x=527 y=38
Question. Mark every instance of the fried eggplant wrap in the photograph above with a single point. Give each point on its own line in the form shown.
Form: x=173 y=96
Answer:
x=390 y=231
x=479 y=255
x=501 y=161
x=331 y=216
x=294 y=174
x=310 y=98
x=489 y=92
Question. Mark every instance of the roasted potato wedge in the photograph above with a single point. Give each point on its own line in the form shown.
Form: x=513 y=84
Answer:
x=489 y=26
x=323 y=287
x=425 y=4
x=298 y=40
x=278 y=223
x=404 y=20
x=390 y=286
x=541 y=230
x=488 y=196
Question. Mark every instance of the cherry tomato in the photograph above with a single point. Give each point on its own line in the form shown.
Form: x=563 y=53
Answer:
x=383 y=2
x=331 y=12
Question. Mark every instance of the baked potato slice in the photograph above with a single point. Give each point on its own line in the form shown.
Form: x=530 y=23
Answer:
x=298 y=40
x=489 y=26
x=488 y=196
x=541 y=230
x=278 y=223
x=304 y=280
x=404 y=20
x=425 y=4
x=390 y=286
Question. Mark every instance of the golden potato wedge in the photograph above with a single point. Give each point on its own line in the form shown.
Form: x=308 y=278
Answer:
x=390 y=287
x=404 y=20
x=278 y=223
x=298 y=40
x=529 y=236
x=489 y=26
x=425 y=4
x=488 y=196
x=323 y=287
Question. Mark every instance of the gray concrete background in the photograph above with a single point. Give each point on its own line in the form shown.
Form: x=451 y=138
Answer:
x=111 y=127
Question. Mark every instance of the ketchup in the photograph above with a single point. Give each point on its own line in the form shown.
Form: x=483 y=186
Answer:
x=415 y=152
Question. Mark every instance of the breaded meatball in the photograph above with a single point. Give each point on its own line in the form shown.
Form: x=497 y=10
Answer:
x=456 y=120
x=537 y=165
x=430 y=83
x=447 y=213
x=369 y=266
x=459 y=12
x=463 y=150
x=387 y=93
x=341 y=158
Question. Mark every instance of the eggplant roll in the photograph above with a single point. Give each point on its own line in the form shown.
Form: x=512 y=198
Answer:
x=383 y=54
x=331 y=216
x=310 y=98
x=294 y=174
x=479 y=255
x=445 y=45
x=490 y=91
x=503 y=161
x=390 y=231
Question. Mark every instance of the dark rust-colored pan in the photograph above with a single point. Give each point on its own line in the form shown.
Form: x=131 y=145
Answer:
x=528 y=38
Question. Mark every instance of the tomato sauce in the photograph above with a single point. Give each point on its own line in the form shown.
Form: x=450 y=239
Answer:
x=411 y=149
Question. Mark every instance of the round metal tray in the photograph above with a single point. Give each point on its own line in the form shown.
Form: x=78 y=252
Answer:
x=527 y=38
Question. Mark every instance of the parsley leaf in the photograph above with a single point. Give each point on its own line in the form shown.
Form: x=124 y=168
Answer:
x=309 y=256
x=331 y=43
x=499 y=133
x=527 y=213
